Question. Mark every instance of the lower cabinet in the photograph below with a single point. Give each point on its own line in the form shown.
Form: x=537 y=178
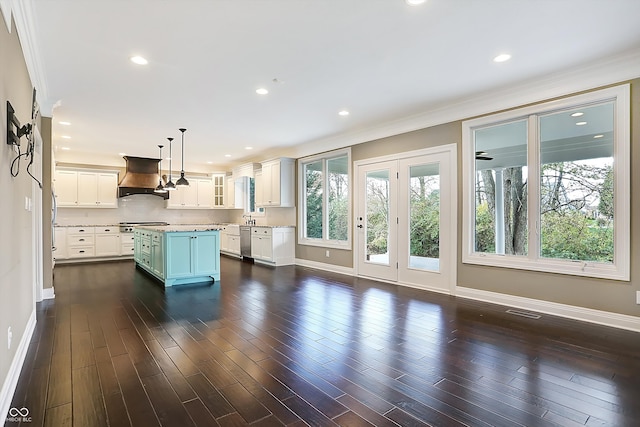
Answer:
x=273 y=245
x=230 y=240
x=107 y=241
x=179 y=257
x=95 y=243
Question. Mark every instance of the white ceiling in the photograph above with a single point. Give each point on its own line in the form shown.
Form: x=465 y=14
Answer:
x=380 y=59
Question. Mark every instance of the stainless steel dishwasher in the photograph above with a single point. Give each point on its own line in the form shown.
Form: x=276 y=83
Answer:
x=245 y=241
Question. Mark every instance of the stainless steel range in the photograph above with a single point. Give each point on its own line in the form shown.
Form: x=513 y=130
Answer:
x=127 y=227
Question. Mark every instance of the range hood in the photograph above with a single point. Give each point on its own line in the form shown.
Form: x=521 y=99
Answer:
x=140 y=177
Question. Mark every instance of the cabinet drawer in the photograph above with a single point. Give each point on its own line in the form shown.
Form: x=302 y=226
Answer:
x=126 y=249
x=80 y=230
x=145 y=246
x=80 y=251
x=107 y=230
x=127 y=238
x=80 y=240
x=261 y=231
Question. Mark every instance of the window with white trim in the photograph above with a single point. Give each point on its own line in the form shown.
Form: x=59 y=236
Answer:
x=546 y=187
x=324 y=199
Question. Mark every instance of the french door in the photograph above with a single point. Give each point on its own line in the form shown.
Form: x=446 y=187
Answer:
x=405 y=232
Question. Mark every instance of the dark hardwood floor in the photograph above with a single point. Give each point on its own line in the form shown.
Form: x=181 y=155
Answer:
x=295 y=346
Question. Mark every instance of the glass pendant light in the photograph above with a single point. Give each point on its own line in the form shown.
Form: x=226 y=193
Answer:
x=170 y=186
x=160 y=188
x=182 y=181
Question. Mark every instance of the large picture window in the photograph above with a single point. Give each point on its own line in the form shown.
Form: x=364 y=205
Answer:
x=324 y=217
x=547 y=187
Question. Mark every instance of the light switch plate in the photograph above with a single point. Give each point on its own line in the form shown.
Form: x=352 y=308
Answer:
x=637 y=297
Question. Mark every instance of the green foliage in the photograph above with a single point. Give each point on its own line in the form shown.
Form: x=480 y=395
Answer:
x=425 y=225
x=606 y=194
x=314 y=204
x=485 y=229
x=573 y=236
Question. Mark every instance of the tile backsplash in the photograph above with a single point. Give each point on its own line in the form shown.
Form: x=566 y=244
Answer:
x=143 y=207
x=140 y=207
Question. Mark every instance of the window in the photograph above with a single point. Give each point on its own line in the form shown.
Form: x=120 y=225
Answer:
x=324 y=216
x=546 y=187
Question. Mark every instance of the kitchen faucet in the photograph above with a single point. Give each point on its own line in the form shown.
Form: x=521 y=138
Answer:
x=249 y=221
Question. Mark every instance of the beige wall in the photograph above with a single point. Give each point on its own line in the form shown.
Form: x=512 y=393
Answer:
x=16 y=253
x=607 y=295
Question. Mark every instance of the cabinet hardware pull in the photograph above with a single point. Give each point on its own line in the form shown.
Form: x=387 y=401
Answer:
x=81 y=240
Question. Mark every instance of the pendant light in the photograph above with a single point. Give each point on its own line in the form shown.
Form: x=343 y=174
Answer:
x=170 y=186
x=160 y=188
x=182 y=181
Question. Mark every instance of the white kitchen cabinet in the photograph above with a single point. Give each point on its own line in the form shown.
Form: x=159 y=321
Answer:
x=107 y=241
x=219 y=184
x=259 y=194
x=273 y=245
x=66 y=188
x=197 y=195
x=86 y=189
x=126 y=244
x=237 y=188
x=230 y=240
x=277 y=183
x=60 y=243
x=80 y=242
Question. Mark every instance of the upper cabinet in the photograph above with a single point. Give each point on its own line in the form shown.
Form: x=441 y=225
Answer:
x=86 y=189
x=276 y=183
x=197 y=195
x=219 y=184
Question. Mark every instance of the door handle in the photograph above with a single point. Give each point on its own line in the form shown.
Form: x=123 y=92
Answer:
x=360 y=226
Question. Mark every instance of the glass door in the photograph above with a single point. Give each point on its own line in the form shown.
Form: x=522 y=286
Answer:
x=377 y=224
x=405 y=225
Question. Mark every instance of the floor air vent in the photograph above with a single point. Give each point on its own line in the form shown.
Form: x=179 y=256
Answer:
x=524 y=314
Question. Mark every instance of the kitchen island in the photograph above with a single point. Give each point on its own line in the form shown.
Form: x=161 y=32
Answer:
x=179 y=254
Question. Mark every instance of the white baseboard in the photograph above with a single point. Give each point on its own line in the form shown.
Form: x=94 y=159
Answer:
x=11 y=381
x=48 y=293
x=324 y=266
x=606 y=318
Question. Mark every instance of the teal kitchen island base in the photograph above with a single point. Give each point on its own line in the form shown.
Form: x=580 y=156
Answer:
x=178 y=255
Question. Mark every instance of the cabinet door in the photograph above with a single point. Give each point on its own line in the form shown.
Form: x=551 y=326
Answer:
x=256 y=247
x=259 y=188
x=179 y=255
x=267 y=248
x=206 y=253
x=137 y=246
x=234 y=244
x=205 y=193
x=157 y=258
x=219 y=184
x=87 y=189
x=267 y=187
x=107 y=244
x=60 y=243
x=224 y=241
x=66 y=188
x=230 y=194
x=107 y=190
x=274 y=185
x=190 y=194
x=175 y=198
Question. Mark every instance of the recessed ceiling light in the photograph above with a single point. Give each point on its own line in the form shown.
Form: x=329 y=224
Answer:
x=414 y=2
x=248 y=148
x=167 y=158
x=209 y=163
x=66 y=137
x=343 y=113
x=502 y=57
x=65 y=123
x=139 y=60
x=262 y=91
x=227 y=155
x=122 y=154
x=66 y=148
x=578 y=114
x=581 y=123
x=598 y=136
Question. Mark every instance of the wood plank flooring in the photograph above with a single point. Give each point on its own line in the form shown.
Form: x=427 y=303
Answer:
x=294 y=346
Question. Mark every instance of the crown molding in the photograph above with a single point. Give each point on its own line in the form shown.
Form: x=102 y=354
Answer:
x=608 y=71
x=24 y=17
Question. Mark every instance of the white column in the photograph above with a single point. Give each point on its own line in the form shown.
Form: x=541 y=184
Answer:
x=499 y=230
